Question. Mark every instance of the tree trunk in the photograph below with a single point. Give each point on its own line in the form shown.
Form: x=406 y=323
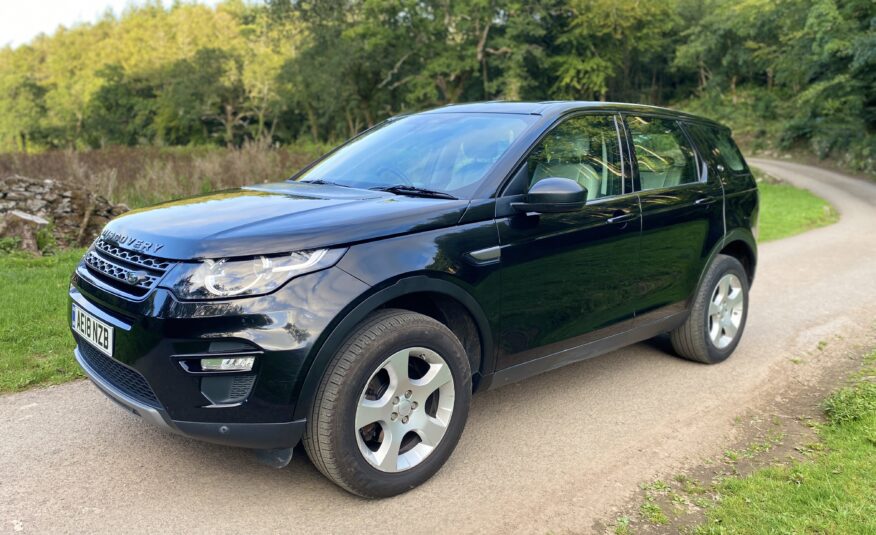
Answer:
x=229 y=126
x=366 y=112
x=261 y=118
x=702 y=69
x=349 y=117
x=733 y=89
x=313 y=121
x=486 y=78
x=482 y=57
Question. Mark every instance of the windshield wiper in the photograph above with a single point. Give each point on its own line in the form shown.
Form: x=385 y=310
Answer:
x=322 y=183
x=414 y=191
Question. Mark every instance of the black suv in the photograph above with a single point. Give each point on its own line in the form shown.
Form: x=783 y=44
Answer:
x=357 y=306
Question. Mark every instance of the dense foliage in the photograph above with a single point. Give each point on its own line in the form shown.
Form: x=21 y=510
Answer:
x=793 y=72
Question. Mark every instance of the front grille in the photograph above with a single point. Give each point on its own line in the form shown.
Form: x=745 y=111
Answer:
x=117 y=374
x=129 y=272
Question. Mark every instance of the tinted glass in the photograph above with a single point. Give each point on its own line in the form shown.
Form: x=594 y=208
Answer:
x=719 y=144
x=585 y=149
x=448 y=152
x=663 y=153
x=727 y=151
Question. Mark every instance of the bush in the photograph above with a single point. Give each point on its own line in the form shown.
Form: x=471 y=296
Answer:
x=851 y=404
x=8 y=245
x=138 y=176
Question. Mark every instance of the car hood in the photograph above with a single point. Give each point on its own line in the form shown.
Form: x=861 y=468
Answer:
x=276 y=218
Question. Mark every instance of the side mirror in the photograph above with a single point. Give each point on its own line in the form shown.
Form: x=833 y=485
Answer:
x=553 y=195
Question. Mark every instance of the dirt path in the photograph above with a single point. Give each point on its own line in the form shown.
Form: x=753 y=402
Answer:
x=553 y=453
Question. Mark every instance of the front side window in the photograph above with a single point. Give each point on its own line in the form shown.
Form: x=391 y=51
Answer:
x=585 y=149
x=446 y=152
x=663 y=153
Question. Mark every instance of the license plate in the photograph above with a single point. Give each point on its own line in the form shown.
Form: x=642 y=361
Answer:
x=96 y=332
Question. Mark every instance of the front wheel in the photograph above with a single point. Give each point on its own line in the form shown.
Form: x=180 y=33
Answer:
x=391 y=406
x=717 y=317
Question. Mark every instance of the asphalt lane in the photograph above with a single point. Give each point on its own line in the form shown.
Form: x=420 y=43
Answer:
x=549 y=454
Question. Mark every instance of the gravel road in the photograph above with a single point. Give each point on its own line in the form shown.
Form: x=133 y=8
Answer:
x=553 y=453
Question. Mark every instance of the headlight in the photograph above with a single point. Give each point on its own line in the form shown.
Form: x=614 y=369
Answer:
x=222 y=279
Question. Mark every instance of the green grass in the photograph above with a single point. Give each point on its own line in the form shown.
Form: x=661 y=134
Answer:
x=786 y=211
x=653 y=513
x=833 y=493
x=35 y=343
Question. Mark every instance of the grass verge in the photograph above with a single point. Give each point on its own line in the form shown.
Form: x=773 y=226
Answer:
x=35 y=343
x=833 y=492
x=786 y=210
x=802 y=465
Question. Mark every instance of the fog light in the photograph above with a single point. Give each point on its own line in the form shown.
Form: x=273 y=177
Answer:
x=235 y=364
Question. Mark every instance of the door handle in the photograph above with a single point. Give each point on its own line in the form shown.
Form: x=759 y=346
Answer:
x=702 y=201
x=622 y=217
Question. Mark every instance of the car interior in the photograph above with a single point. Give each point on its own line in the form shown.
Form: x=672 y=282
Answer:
x=664 y=159
x=584 y=150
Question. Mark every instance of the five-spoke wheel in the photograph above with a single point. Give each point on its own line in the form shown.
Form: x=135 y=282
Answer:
x=392 y=405
x=725 y=310
x=717 y=317
x=405 y=409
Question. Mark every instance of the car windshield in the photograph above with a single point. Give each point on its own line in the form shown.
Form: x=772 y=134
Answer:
x=442 y=152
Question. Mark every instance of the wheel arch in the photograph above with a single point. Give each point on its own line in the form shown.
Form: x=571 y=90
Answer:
x=435 y=297
x=739 y=244
x=742 y=246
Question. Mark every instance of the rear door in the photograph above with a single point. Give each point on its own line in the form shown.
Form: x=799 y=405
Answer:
x=726 y=163
x=566 y=277
x=682 y=214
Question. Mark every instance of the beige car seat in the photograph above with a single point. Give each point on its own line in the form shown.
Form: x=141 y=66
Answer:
x=565 y=158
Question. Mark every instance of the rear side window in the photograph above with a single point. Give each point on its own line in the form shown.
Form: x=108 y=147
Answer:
x=728 y=151
x=663 y=152
x=720 y=145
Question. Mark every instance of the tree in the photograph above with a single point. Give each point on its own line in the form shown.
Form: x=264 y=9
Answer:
x=603 y=39
x=22 y=104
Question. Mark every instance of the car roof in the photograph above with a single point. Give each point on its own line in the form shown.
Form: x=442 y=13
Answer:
x=561 y=107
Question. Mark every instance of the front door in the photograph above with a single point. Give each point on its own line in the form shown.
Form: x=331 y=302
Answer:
x=682 y=215
x=567 y=277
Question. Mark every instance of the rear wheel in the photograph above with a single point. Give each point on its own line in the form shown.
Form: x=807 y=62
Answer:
x=392 y=405
x=717 y=318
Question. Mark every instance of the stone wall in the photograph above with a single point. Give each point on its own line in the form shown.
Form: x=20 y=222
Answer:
x=77 y=216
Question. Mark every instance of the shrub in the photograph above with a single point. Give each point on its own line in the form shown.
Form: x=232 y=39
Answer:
x=851 y=403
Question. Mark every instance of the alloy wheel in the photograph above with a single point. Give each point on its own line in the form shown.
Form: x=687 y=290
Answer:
x=404 y=409
x=725 y=310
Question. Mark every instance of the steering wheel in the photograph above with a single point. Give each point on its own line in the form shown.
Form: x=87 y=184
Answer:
x=396 y=173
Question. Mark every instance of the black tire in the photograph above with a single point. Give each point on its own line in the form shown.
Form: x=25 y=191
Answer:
x=331 y=435
x=691 y=340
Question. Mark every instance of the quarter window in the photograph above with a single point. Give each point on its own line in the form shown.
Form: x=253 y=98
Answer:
x=728 y=151
x=585 y=149
x=663 y=153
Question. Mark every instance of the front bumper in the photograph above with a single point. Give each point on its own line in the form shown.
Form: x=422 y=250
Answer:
x=243 y=435
x=153 y=334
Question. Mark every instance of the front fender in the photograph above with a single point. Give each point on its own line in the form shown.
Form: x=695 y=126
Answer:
x=346 y=323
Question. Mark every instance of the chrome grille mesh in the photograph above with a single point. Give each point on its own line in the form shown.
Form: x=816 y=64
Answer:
x=130 y=272
x=138 y=259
